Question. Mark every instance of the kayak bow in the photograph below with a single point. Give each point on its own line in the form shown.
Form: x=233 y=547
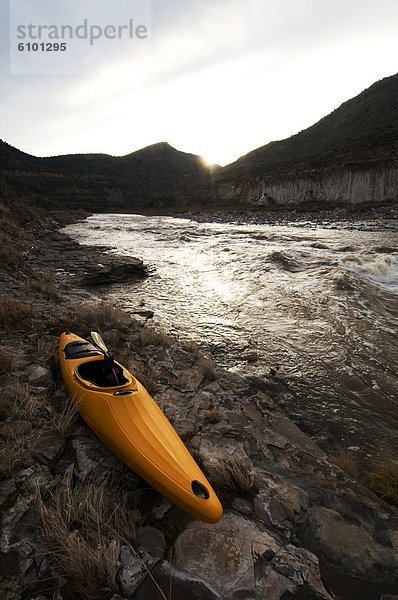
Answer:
x=127 y=419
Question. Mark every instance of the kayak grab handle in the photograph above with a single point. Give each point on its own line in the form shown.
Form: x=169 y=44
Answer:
x=124 y=392
x=199 y=490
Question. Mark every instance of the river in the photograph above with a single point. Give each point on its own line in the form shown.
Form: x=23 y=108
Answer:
x=315 y=305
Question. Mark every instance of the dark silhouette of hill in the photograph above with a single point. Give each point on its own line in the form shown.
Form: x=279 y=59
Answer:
x=156 y=176
x=362 y=129
x=348 y=157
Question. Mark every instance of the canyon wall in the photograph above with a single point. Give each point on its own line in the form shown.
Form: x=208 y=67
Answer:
x=349 y=185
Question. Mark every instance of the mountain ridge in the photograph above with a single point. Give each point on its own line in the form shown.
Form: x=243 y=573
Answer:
x=346 y=109
x=348 y=157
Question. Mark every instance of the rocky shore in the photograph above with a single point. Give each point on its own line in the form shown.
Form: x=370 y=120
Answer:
x=382 y=218
x=77 y=523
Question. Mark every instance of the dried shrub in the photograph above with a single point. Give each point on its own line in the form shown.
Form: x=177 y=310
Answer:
x=207 y=368
x=348 y=461
x=16 y=453
x=20 y=402
x=211 y=417
x=46 y=346
x=192 y=348
x=84 y=528
x=10 y=254
x=101 y=316
x=382 y=478
x=46 y=284
x=62 y=421
x=145 y=376
x=153 y=337
x=6 y=361
x=14 y=313
x=234 y=475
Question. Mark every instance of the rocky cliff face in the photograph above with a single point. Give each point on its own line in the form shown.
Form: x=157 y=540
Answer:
x=347 y=186
x=348 y=158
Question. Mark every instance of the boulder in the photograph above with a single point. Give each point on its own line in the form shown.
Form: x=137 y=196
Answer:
x=39 y=376
x=235 y=558
x=183 y=586
x=151 y=541
x=351 y=547
x=130 y=571
x=93 y=458
x=118 y=271
x=278 y=505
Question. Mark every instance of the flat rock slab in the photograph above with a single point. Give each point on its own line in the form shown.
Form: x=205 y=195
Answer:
x=118 y=271
x=236 y=557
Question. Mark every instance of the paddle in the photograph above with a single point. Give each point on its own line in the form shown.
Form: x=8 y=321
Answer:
x=108 y=359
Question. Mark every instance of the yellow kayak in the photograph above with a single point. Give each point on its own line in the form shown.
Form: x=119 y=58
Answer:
x=127 y=419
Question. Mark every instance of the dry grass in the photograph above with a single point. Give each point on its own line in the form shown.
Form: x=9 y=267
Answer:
x=101 y=316
x=235 y=476
x=211 y=417
x=18 y=402
x=45 y=346
x=46 y=285
x=348 y=461
x=84 y=528
x=204 y=362
x=207 y=368
x=10 y=255
x=193 y=348
x=153 y=337
x=382 y=478
x=251 y=356
x=6 y=361
x=16 y=453
x=62 y=421
x=14 y=313
x=117 y=343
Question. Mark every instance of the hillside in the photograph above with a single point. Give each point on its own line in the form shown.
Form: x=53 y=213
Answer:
x=358 y=137
x=158 y=176
x=363 y=128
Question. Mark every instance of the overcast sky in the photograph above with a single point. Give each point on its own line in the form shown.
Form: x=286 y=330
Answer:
x=217 y=78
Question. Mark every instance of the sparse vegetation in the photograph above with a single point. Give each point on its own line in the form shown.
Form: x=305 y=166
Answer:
x=193 y=348
x=20 y=402
x=348 y=461
x=234 y=475
x=207 y=368
x=380 y=474
x=84 y=528
x=145 y=376
x=46 y=284
x=6 y=361
x=101 y=316
x=46 y=345
x=211 y=417
x=16 y=452
x=10 y=255
x=63 y=421
x=382 y=478
x=154 y=337
x=14 y=313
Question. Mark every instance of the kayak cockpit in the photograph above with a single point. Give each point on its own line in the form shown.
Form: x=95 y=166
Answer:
x=97 y=373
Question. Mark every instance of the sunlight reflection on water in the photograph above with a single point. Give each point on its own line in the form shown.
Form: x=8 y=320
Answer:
x=321 y=304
